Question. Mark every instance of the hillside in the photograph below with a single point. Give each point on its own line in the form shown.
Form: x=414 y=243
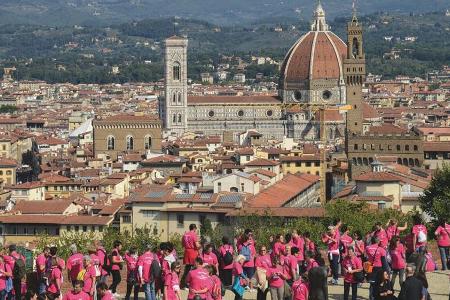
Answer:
x=103 y=12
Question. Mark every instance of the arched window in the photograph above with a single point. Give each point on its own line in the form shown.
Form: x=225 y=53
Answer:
x=234 y=189
x=179 y=118
x=176 y=71
x=179 y=97
x=147 y=142
x=405 y=161
x=174 y=118
x=130 y=143
x=411 y=162
x=174 y=98
x=355 y=49
x=111 y=142
x=416 y=162
x=399 y=161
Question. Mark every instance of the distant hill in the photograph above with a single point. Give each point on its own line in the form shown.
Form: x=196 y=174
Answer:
x=229 y=12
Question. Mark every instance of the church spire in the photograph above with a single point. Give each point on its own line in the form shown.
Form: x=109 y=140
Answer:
x=354 y=17
x=319 y=23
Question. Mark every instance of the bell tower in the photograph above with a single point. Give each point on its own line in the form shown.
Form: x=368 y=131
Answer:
x=354 y=74
x=174 y=108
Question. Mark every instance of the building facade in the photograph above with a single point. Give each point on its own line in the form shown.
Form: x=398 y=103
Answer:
x=122 y=134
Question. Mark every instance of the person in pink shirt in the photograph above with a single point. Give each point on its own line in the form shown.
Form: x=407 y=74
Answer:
x=41 y=264
x=299 y=242
x=74 y=263
x=226 y=270
x=331 y=239
x=309 y=244
x=377 y=256
x=442 y=234
x=351 y=265
x=380 y=234
x=300 y=288
x=198 y=280
x=172 y=282
x=290 y=265
x=103 y=258
x=392 y=229
x=148 y=269
x=262 y=263
x=89 y=277
x=209 y=258
x=420 y=233
x=398 y=260
x=358 y=244
x=116 y=266
x=11 y=260
x=55 y=281
x=103 y=293
x=276 y=276
x=95 y=261
x=191 y=245
x=215 y=285
x=310 y=261
x=239 y=274
x=5 y=272
x=131 y=259
x=247 y=249
x=278 y=246
x=346 y=240
x=77 y=292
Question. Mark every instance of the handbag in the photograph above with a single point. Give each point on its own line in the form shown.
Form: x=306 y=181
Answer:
x=237 y=288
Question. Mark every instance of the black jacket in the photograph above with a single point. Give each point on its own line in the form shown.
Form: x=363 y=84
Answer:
x=411 y=289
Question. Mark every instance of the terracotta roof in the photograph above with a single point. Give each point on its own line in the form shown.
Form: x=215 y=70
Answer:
x=42 y=207
x=292 y=212
x=5 y=162
x=389 y=198
x=275 y=151
x=369 y=112
x=242 y=100
x=283 y=191
x=50 y=140
x=263 y=172
x=245 y=151
x=387 y=129
x=132 y=157
x=262 y=162
x=26 y=185
x=377 y=177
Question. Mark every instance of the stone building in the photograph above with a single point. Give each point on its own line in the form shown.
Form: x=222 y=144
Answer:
x=121 y=134
x=312 y=73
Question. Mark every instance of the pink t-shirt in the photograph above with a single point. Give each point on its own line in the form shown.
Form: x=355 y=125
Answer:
x=7 y=269
x=278 y=249
x=443 y=238
x=299 y=242
x=101 y=253
x=251 y=262
x=88 y=279
x=131 y=262
x=382 y=237
x=209 y=259
x=72 y=296
x=189 y=240
x=346 y=241
x=115 y=254
x=416 y=229
x=237 y=269
x=431 y=265
x=300 y=290
x=311 y=263
x=353 y=263
x=263 y=261
x=145 y=261
x=40 y=263
x=108 y=296
x=332 y=243
x=374 y=254
x=392 y=231
x=75 y=265
x=290 y=266
x=310 y=246
x=398 y=257
x=359 y=248
x=172 y=282
x=223 y=250
x=275 y=281
x=56 y=275
x=197 y=279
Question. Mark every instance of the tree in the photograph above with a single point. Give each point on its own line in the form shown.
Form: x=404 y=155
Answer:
x=435 y=200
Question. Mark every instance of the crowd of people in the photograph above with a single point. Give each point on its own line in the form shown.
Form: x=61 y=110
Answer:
x=290 y=266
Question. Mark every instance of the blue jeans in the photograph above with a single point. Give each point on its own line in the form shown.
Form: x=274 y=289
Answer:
x=334 y=264
x=444 y=252
x=149 y=291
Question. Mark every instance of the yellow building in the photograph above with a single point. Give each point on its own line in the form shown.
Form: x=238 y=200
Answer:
x=306 y=163
x=8 y=171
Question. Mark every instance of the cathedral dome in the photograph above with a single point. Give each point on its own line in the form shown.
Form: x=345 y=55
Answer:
x=316 y=57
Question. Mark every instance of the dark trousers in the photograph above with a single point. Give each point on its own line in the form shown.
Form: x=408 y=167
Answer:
x=129 y=288
x=237 y=297
x=334 y=264
x=17 y=285
x=347 y=290
x=115 y=280
x=187 y=269
x=226 y=276
x=262 y=295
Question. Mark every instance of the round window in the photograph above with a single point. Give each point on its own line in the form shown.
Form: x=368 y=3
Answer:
x=326 y=95
x=297 y=95
x=241 y=113
x=269 y=113
x=211 y=113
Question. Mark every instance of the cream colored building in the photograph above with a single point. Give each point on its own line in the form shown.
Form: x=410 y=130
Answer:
x=8 y=171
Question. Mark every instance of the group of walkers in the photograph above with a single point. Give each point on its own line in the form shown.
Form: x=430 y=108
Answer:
x=289 y=266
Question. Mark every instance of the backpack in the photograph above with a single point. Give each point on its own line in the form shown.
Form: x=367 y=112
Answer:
x=245 y=251
x=227 y=258
x=421 y=237
x=19 y=271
